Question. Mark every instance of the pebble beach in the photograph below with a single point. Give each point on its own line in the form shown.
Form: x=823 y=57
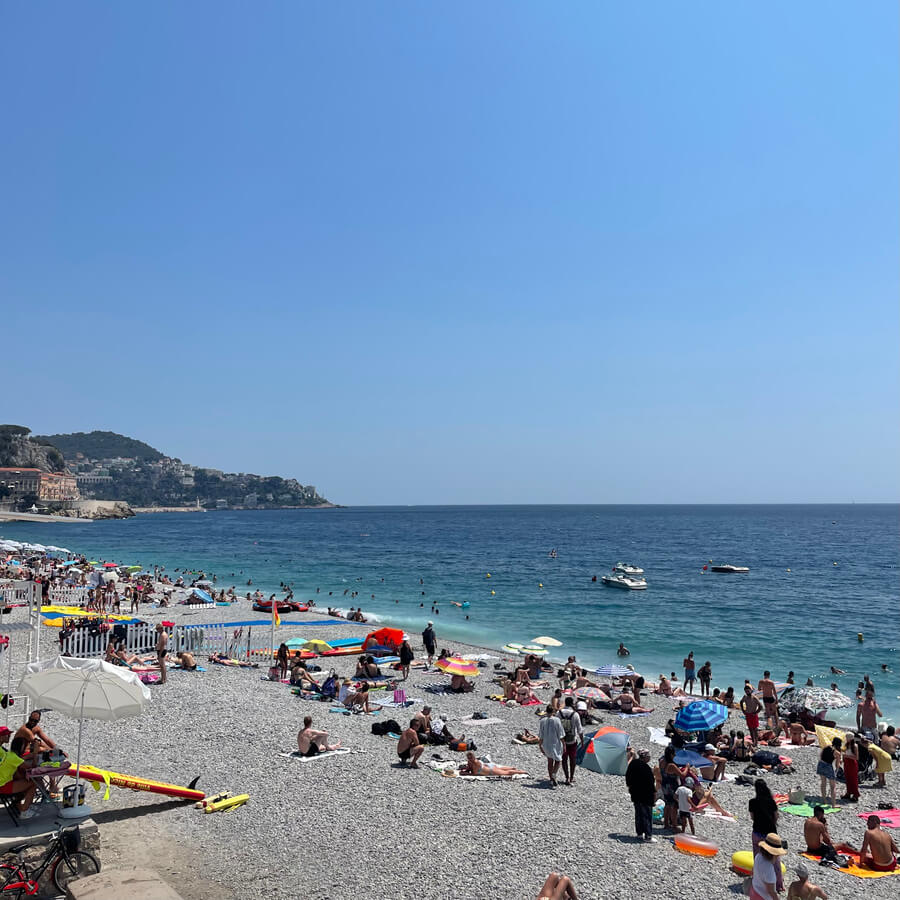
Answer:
x=359 y=825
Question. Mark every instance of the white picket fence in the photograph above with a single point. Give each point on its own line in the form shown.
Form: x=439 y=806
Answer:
x=67 y=595
x=138 y=639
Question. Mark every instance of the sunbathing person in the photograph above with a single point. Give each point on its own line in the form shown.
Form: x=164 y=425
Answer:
x=509 y=689
x=186 y=661
x=581 y=680
x=473 y=766
x=625 y=702
x=703 y=797
x=878 y=851
x=526 y=737
x=715 y=771
x=360 y=700
x=300 y=676
x=524 y=695
x=459 y=685
x=311 y=742
x=797 y=734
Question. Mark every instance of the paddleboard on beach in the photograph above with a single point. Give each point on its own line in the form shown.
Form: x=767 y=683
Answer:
x=134 y=783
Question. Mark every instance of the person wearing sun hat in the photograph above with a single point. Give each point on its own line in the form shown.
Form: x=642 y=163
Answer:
x=765 y=875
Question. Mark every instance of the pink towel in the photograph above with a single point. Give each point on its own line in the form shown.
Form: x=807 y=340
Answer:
x=890 y=818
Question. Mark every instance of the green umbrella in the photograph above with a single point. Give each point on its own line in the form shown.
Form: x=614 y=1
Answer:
x=133 y=568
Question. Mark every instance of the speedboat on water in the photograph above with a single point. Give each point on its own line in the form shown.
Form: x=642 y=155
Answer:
x=730 y=570
x=627 y=569
x=626 y=582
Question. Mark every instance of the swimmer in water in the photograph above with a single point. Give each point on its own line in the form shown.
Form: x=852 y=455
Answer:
x=836 y=671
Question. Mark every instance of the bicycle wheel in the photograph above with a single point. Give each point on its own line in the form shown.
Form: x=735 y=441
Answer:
x=73 y=866
x=11 y=875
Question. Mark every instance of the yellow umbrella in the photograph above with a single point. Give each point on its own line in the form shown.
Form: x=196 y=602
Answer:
x=547 y=641
x=316 y=646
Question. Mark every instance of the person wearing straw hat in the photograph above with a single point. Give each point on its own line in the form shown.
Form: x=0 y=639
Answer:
x=765 y=877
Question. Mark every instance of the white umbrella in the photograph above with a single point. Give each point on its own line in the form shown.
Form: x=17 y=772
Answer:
x=547 y=641
x=53 y=549
x=84 y=689
x=110 y=576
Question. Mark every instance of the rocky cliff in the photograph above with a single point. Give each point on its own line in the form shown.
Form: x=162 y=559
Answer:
x=19 y=451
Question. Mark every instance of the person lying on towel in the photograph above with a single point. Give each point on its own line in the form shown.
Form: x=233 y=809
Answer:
x=474 y=766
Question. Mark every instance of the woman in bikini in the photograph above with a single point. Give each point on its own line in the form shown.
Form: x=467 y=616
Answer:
x=474 y=766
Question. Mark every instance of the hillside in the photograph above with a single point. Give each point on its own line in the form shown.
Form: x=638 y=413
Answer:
x=18 y=450
x=110 y=466
x=101 y=445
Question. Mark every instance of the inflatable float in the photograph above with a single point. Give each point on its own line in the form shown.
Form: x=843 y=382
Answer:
x=228 y=803
x=133 y=783
x=742 y=863
x=689 y=843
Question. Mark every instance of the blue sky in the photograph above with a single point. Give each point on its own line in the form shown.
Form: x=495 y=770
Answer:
x=505 y=252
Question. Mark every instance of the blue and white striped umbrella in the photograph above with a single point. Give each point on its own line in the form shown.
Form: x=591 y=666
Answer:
x=613 y=671
x=701 y=716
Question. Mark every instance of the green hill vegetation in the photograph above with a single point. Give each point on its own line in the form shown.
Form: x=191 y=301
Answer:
x=101 y=445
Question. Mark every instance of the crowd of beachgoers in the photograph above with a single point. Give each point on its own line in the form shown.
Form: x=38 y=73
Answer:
x=477 y=771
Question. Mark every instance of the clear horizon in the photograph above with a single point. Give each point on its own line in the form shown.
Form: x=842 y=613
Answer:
x=474 y=255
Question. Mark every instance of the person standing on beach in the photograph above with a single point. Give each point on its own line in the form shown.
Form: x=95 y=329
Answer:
x=642 y=788
x=689 y=670
x=162 y=645
x=770 y=699
x=704 y=674
x=429 y=640
x=572 y=740
x=750 y=707
x=551 y=734
x=867 y=714
x=406 y=657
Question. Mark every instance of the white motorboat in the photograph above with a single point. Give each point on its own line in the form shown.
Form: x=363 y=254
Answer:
x=626 y=582
x=730 y=570
x=627 y=569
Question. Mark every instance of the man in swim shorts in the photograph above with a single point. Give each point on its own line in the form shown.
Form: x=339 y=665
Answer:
x=770 y=699
x=867 y=714
x=408 y=747
x=750 y=707
x=311 y=742
x=878 y=851
x=689 y=672
x=573 y=738
x=162 y=644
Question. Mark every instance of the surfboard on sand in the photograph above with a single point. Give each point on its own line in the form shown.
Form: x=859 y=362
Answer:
x=134 y=783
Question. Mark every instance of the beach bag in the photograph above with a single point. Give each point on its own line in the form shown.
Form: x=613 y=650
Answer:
x=797 y=796
x=400 y=696
x=766 y=758
x=568 y=725
x=389 y=726
x=462 y=746
x=274 y=673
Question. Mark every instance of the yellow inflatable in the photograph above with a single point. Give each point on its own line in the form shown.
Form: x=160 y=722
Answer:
x=827 y=735
x=742 y=862
x=229 y=803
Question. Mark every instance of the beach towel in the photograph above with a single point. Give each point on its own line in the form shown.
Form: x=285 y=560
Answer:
x=854 y=868
x=890 y=818
x=804 y=810
x=448 y=769
x=435 y=688
x=341 y=751
x=394 y=704
x=633 y=715
x=714 y=814
x=468 y=720
x=658 y=736
x=534 y=701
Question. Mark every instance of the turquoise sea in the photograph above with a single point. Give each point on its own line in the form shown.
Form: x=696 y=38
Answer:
x=819 y=575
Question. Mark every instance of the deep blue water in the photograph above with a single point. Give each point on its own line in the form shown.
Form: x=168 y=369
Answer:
x=843 y=577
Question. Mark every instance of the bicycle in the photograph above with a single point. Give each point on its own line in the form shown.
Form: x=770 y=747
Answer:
x=67 y=861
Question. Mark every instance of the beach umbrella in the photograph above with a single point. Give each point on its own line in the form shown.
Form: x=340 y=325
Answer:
x=316 y=646
x=454 y=665
x=535 y=650
x=813 y=698
x=546 y=641
x=605 y=751
x=590 y=693
x=702 y=715
x=110 y=577
x=613 y=671
x=204 y=583
x=826 y=735
x=779 y=687
x=685 y=757
x=110 y=565
x=197 y=592
x=133 y=568
x=93 y=562
x=57 y=549
x=509 y=648
x=84 y=689
x=515 y=646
